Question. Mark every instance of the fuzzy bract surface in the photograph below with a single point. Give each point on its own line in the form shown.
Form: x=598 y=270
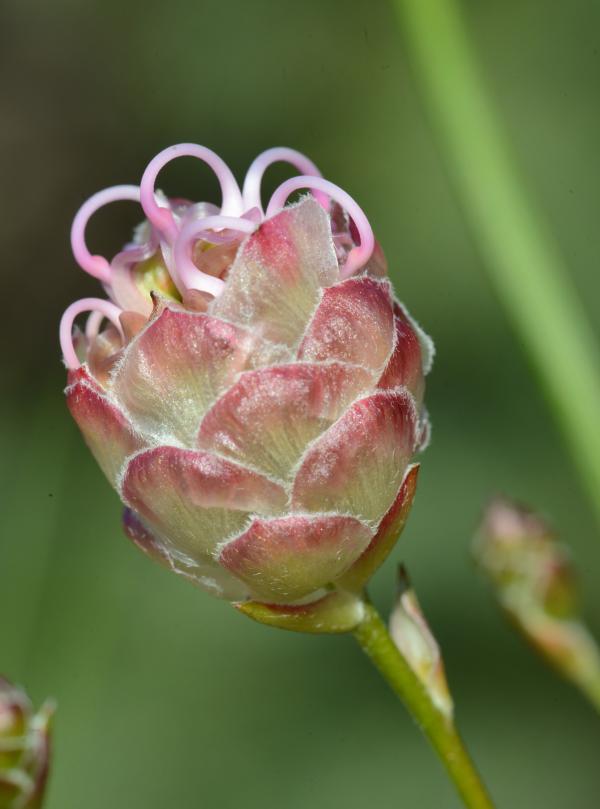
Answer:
x=260 y=437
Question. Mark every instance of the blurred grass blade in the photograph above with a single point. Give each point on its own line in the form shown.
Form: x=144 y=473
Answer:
x=33 y=471
x=519 y=252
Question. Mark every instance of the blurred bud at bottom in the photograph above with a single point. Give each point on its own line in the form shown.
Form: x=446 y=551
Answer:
x=24 y=749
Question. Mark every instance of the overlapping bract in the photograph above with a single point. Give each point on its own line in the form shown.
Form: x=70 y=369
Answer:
x=262 y=446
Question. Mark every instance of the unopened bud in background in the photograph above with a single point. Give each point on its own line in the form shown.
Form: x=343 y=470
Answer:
x=536 y=585
x=413 y=637
x=24 y=749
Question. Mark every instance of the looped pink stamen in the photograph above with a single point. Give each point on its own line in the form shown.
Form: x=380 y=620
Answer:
x=105 y=308
x=195 y=229
x=92 y=324
x=97 y=266
x=162 y=218
x=278 y=154
x=359 y=255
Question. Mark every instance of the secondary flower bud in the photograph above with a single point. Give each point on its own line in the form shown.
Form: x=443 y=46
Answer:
x=536 y=585
x=24 y=749
x=413 y=637
x=258 y=393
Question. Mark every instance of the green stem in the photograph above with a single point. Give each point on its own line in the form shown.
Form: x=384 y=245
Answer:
x=521 y=256
x=374 y=638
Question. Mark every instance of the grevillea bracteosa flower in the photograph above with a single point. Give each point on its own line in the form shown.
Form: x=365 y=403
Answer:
x=257 y=395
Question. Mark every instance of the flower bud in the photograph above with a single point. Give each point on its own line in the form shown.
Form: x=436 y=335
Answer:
x=257 y=396
x=24 y=749
x=535 y=583
x=413 y=637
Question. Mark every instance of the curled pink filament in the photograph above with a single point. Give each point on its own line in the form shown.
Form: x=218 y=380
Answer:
x=97 y=266
x=359 y=255
x=195 y=229
x=176 y=226
x=103 y=307
x=278 y=154
x=93 y=323
x=162 y=218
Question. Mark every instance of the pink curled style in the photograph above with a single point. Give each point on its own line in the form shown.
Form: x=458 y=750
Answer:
x=359 y=255
x=92 y=324
x=251 y=191
x=213 y=229
x=161 y=217
x=174 y=226
x=97 y=266
x=100 y=309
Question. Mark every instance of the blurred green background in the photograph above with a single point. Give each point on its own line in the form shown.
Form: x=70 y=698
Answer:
x=167 y=697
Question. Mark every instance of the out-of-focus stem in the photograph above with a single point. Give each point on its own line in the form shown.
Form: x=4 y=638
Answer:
x=519 y=252
x=570 y=648
x=591 y=690
x=374 y=638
